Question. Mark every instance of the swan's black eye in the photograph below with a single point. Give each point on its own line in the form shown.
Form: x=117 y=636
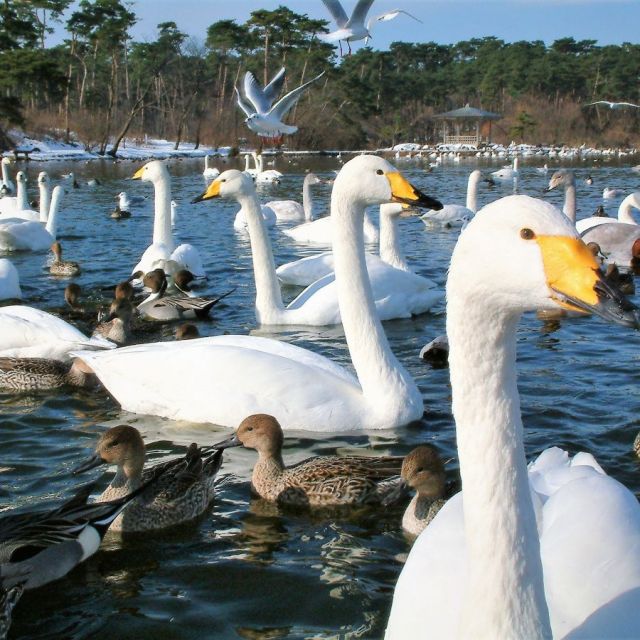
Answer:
x=223 y=180
x=379 y=172
x=527 y=234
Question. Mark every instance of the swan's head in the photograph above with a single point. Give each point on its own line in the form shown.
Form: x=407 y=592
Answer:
x=423 y=470
x=151 y=172
x=520 y=254
x=259 y=431
x=312 y=178
x=21 y=177
x=370 y=180
x=43 y=178
x=561 y=178
x=229 y=184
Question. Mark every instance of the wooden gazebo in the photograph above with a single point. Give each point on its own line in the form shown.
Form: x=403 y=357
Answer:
x=469 y=125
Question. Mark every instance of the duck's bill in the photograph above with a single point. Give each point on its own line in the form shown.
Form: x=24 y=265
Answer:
x=405 y=193
x=138 y=174
x=212 y=191
x=578 y=284
x=233 y=441
x=91 y=463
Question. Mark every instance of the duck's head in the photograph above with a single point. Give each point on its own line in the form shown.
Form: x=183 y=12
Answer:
x=72 y=294
x=182 y=279
x=151 y=172
x=155 y=280
x=56 y=249
x=229 y=184
x=122 y=310
x=370 y=180
x=187 y=331
x=561 y=178
x=259 y=431
x=122 y=446
x=423 y=470
x=520 y=254
x=123 y=291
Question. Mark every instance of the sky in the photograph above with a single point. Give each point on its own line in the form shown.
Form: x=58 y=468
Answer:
x=443 y=21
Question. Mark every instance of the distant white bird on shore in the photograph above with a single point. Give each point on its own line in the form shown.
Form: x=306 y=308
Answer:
x=352 y=28
x=614 y=105
x=262 y=118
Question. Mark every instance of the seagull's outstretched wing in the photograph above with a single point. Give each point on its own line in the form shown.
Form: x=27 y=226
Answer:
x=272 y=90
x=337 y=12
x=390 y=15
x=280 y=108
x=359 y=14
x=255 y=94
x=627 y=104
x=591 y=104
x=245 y=106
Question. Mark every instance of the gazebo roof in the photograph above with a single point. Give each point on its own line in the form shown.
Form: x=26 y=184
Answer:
x=469 y=112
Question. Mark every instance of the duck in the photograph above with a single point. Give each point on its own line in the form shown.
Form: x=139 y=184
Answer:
x=307 y=270
x=187 y=331
x=290 y=210
x=26 y=332
x=123 y=208
x=548 y=550
x=456 y=214
x=208 y=381
x=184 y=490
x=116 y=327
x=9 y=281
x=70 y=178
x=619 y=242
x=17 y=234
x=44 y=374
x=60 y=267
x=632 y=201
x=7 y=186
x=209 y=173
x=321 y=481
x=588 y=180
x=163 y=251
x=423 y=470
x=507 y=173
x=608 y=193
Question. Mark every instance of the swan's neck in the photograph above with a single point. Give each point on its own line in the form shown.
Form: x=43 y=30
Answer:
x=162 y=219
x=381 y=376
x=52 y=220
x=472 y=193
x=624 y=211
x=268 y=297
x=390 y=248
x=45 y=201
x=569 y=207
x=5 y=174
x=504 y=595
x=206 y=162
x=22 y=202
x=246 y=162
x=307 y=200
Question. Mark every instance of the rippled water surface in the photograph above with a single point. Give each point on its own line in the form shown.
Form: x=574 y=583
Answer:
x=248 y=570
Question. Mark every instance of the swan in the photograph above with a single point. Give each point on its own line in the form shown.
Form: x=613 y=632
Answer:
x=223 y=379
x=307 y=270
x=624 y=214
x=162 y=250
x=566 y=179
x=397 y=294
x=270 y=176
x=617 y=241
x=507 y=173
x=12 y=206
x=17 y=234
x=268 y=216
x=209 y=173
x=7 y=185
x=454 y=214
x=252 y=173
x=548 y=551
x=290 y=210
x=611 y=194
x=9 y=281
x=26 y=332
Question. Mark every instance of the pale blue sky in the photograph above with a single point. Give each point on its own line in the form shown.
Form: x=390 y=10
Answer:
x=444 y=21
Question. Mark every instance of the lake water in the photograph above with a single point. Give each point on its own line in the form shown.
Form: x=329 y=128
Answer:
x=248 y=570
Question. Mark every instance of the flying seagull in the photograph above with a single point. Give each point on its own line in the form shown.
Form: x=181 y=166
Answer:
x=351 y=29
x=614 y=105
x=263 y=118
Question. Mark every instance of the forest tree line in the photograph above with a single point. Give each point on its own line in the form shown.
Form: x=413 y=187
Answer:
x=101 y=86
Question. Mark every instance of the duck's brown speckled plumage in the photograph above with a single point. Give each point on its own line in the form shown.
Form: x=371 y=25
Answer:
x=60 y=267
x=37 y=374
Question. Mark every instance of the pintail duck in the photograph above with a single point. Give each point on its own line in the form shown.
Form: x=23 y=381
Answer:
x=322 y=481
x=159 y=306
x=116 y=327
x=60 y=267
x=39 y=374
x=183 y=492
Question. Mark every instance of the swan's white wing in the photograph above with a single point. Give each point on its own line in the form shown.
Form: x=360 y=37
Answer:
x=188 y=257
x=254 y=92
x=286 y=209
x=154 y=256
x=9 y=281
x=225 y=378
x=449 y=214
x=359 y=14
x=337 y=12
x=281 y=108
x=593 y=221
x=615 y=240
x=272 y=90
x=23 y=235
x=245 y=106
x=307 y=270
x=318 y=231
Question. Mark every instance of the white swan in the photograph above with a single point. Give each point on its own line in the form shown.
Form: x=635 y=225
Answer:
x=552 y=551
x=619 y=242
x=566 y=179
x=507 y=173
x=9 y=281
x=268 y=216
x=209 y=173
x=223 y=379
x=268 y=176
x=7 y=185
x=624 y=214
x=609 y=193
x=397 y=294
x=307 y=270
x=26 y=332
x=454 y=214
x=289 y=210
x=18 y=234
x=162 y=250
x=19 y=207
x=252 y=173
